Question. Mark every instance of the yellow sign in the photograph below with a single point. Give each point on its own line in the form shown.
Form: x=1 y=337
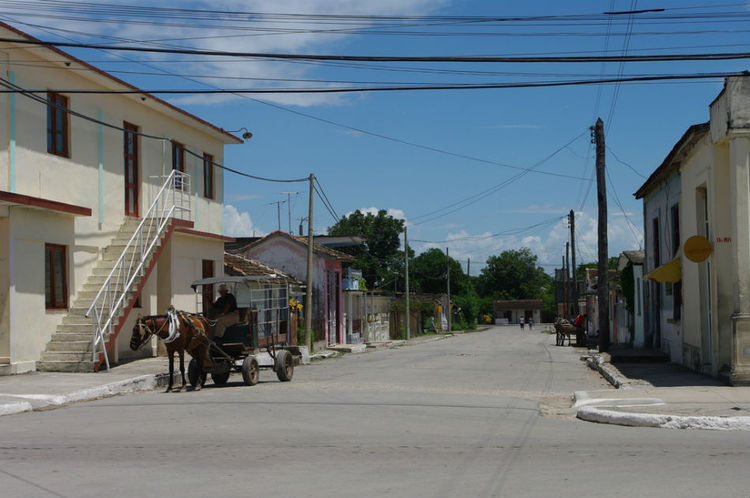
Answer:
x=697 y=248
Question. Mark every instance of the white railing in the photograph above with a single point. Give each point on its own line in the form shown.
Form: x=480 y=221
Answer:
x=172 y=201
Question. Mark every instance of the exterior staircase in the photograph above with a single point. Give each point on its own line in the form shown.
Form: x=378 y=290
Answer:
x=102 y=305
x=71 y=346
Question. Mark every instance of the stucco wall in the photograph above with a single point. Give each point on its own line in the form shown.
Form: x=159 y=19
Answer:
x=4 y=290
x=658 y=204
x=33 y=324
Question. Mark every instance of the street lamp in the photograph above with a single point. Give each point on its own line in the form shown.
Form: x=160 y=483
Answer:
x=245 y=136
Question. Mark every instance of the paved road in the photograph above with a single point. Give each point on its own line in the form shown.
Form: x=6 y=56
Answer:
x=454 y=417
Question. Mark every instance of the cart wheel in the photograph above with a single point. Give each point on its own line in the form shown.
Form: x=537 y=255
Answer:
x=250 y=370
x=284 y=365
x=220 y=373
x=194 y=373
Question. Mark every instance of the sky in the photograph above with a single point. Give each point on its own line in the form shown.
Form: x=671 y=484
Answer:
x=477 y=171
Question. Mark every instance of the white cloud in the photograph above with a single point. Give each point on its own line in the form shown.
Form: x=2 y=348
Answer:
x=548 y=244
x=240 y=33
x=239 y=224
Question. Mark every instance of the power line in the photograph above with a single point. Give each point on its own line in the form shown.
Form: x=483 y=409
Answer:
x=481 y=195
x=510 y=231
x=31 y=95
x=624 y=163
x=381 y=58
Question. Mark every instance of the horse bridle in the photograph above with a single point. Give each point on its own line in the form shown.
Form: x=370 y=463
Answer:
x=141 y=323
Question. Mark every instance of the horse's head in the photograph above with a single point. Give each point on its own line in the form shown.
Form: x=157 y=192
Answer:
x=140 y=332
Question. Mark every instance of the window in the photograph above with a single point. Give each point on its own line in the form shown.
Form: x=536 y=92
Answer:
x=675 y=215
x=130 y=141
x=57 y=124
x=55 y=277
x=655 y=248
x=178 y=161
x=208 y=176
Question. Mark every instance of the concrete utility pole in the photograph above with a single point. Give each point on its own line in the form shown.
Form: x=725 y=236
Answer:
x=309 y=293
x=406 y=251
x=603 y=267
x=448 y=272
x=567 y=277
x=572 y=220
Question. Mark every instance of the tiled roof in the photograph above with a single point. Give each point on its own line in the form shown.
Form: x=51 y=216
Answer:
x=235 y=265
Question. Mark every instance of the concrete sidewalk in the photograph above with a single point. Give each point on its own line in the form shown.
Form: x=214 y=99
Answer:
x=662 y=395
x=44 y=390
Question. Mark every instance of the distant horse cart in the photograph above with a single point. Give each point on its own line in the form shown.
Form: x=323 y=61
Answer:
x=264 y=337
x=563 y=328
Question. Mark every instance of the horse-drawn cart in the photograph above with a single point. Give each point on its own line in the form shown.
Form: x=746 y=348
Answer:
x=264 y=337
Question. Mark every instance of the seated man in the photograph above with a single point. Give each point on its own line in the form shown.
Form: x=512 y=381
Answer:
x=224 y=311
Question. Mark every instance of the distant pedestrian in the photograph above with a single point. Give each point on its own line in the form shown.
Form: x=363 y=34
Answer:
x=531 y=323
x=520 y=321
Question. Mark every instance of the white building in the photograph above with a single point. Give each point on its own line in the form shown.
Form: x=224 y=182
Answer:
x=704 y=183
x=78 y=174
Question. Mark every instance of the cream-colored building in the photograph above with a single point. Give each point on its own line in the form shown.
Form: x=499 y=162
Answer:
x=711 y=165
x=79 y=173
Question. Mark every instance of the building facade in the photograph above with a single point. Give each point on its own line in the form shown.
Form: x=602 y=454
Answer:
x=79 y=173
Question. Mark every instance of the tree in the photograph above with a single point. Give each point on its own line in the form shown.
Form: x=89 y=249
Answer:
x=429 y=273
x=379 y=255
x=513 y=275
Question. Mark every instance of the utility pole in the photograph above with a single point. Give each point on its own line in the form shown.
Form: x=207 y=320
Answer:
x=289 y=207
x=406 y=251
x=448 y=272
x=309 y=290
x=603 y=269
x=568 y=305
x=572 y=219
x=565 y=288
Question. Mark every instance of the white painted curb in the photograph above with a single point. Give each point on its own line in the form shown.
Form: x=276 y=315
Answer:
x=593 y=414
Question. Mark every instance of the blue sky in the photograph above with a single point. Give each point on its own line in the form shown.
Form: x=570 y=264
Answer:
x=295 y=135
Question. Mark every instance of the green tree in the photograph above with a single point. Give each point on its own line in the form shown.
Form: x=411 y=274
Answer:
x=429 y=274
x=513 y=275
x=379 y=256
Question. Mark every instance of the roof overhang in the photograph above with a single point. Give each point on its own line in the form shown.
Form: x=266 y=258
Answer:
x=27 y=201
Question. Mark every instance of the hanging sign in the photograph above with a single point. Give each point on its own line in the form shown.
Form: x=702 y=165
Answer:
x=697 y=248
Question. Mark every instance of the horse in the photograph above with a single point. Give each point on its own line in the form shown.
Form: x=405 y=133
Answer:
x=563 y=328
x=179 y=332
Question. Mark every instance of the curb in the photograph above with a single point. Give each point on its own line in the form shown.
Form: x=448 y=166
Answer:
x=592 y=414
x=607 y=370
x=48 y=401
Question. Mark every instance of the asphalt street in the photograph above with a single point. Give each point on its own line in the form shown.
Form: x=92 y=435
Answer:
x=479 y=414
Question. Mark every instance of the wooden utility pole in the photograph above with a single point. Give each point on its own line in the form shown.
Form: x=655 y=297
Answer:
x=309 y=293
x=603 y=267
x=448 y=272
x=565 y=289
x=406 y=251
x=568 y=304
x=572 y=219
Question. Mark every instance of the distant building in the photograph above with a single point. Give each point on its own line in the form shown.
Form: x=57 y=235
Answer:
x=512 y=311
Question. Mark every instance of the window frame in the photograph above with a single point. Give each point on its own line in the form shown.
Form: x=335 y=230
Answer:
x=208 y=175
x=178 y=151
x=674 y=212
x=57 y=107
x=51 y=301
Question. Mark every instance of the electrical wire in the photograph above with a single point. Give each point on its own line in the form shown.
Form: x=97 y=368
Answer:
x=624 y=163
x=380 y=58
x=33 y=96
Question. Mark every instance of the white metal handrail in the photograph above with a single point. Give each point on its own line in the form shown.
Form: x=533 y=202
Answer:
x=172 y=201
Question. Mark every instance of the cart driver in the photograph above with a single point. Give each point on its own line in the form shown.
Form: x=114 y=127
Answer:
x=224 y=311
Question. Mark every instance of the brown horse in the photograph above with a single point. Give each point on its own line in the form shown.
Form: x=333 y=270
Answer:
x=179 y=332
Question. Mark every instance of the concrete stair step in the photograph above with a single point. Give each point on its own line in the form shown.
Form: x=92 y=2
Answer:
x=70 y=346
x=67 y=356
x=65 y=366
x=77 y=328
x=72 y=336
